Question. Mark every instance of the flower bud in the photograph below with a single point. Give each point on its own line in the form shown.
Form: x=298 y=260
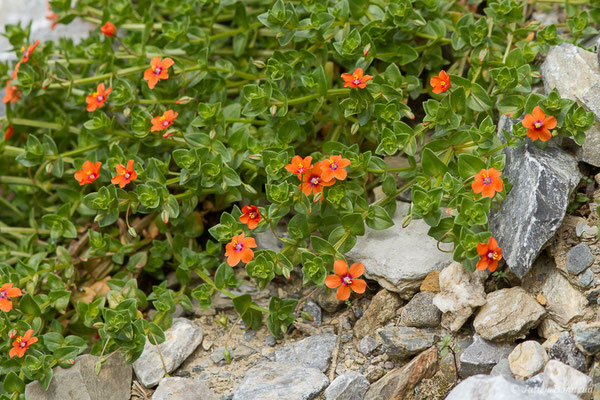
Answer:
x=132 y=232
x=165 y=216
x=12 y=333
x=354 y=128
x=259 y=63
x=256 y=156
x=184 y=100
x=366 y=49
x=273 y=109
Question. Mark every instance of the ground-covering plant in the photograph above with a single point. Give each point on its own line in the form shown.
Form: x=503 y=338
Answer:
x=182 y=128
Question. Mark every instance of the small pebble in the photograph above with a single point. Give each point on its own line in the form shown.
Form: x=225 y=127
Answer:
x=270 y=340
x=249 y=335
x=197 y=369
x=388 y=365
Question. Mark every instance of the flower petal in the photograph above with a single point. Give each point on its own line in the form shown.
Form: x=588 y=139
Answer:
x=340 y=267
x=358 y=285
x=356 y=270
x=333 y=281
x=343 y=293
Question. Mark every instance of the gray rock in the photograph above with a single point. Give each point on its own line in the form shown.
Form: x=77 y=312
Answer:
x=587 y=336
x=420 y=311
x=536 y=381
x=382 y=308
x=481 y=356
x=281 y=381
x=527 y=359
x=502 y=368
x=484 y=387
x=183 y=389
x=182 y=338
x=270 y=340
x=328 y=301
x=579 y=258
x=350 y=386
x=81 y=382
x=368 y=344
x=508 y=314
x=399 y=268
x=584 y=280
x=535 y=207
x=461 y=291
x=565 y=351
x=559 y=377
x=218 y=354
x=313 y=352
x=314 y=310
x=402 y=341
x=249 y=335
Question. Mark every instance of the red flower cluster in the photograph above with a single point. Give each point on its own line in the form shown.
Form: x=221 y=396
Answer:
x=163 y=122
x=539 y=125
x=124 y=174
x=240 y=248
x=488 y=182
x=89 y=172
x=21 y=344
x=490 y=254
x=250 y=216
x=97 y=99
x=157 y=71
x=108 y=29
x=440 y=83
x=315 y=177
x=345 y=279
x=356 y=79
x=7 y=292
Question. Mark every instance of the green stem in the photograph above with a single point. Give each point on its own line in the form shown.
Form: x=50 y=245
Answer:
x=226 y=292
x=304 y=99
x=13 y=229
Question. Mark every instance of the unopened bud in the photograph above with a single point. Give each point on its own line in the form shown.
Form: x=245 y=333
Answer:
x=127 y=112
x=257 y=157
x=318 y=197
x=12 y=333
x=307 y=316
x=165 y=216
x=366 y=49
x=259 y=63
x=72 y=361
x=354 y=128
x=170 y=132
x=184 y=100
x=49 y=168
x=132 y=232
x=273 y=109
x=212 y=134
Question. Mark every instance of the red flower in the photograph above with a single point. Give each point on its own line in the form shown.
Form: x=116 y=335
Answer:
x=163 y=122
x=299 y=166
x=487 y=182
x=538 y=125
x=250 y=216
x=108 y=29
x=22 y=343
x=490 y=255
x=440 y=83
x=333 y=167
x=8 y=132
x=239 y=249
x=52 y=16
x=11 y=93
x=356 y=79
x=157 y=71
x=124 y=175
x=16 y=70
x=27 y=53
x=312 y=181
x=345 y=279
x=97 y=99
x=89 y=172
x=7 y=291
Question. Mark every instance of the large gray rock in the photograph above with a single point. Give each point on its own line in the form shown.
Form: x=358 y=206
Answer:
x=81 y=382
x=561 y=378
x=565 y=351
x=281 y=381
x=484 y=387
x=350 y=386
x=399 y=268
x=176 y=388
x=382 y=308
x=481 y=356
x=535 y=207
x=587 y=337
x=181 y=339
x=420 y=311
x=312 y=352
x=402 y=341
x=527 y=359
x=574 y=72
x=461 y=292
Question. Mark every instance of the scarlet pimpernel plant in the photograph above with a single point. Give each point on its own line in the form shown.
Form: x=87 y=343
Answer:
x=178 y=133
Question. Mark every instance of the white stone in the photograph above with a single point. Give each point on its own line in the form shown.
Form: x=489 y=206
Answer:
x=565 y=303
x=527 y=359
x=177 y=388
x=561 y=378
x=399 y=258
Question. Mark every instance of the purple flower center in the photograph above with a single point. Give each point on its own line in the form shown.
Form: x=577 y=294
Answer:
x=127 y=175
x=490 y=255
x=92 y=176
x=3 y=295
x=333 y=166
x=166 y=122
x=538 y=124
x=238 y=247
x=357 y=81
x=315 y=180
x=157 y=70
x=347 y=280
x=23 y=344
x=487 y=180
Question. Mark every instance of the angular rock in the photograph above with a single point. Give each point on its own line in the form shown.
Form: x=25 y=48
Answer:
x=535 y=207
x=527 y=359
x=559 y=377
x=397 y=383
x=431 y=283
x=312 y=352
x=420 y=311
x=368 y=345
x=350 y=386
x=328 y=301
x=281 y=381
x=402 y=341
x=503 y=368
x=579 y=258
x=181 y=339
x=565 y=351
x=382 y=308
x=587 y=337
x=508 y=314
x=314 y=310
x=81 y=382
x=484 y=387
x=182 y=389
x=481 y=356
x=398 y=268
x=461 y=291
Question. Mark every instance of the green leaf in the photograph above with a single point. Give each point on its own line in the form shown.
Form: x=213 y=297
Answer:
x=469 y=165
x=378 y=218
x=432 y=165
x=13 y=384
x=321 y=245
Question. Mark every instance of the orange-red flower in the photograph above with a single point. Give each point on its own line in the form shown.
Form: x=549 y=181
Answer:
x=22 y=343
x=8 y=132
x=51 y=16
x=440 y=83
x=89 y=172
x=27 y=53
x=124 y=175
x=356 y=79
x=345 y=279
x=313 y=182
x=333 y=167
x=164 y=121
x=299 y=165
x=240 y=248
x=7 y=292
x=490 y=255
x=538 y=125
x=12 y=93
x=157 y=71
x=108 y=29
x=487 y=182
x=97 y=99
x=250 y=216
